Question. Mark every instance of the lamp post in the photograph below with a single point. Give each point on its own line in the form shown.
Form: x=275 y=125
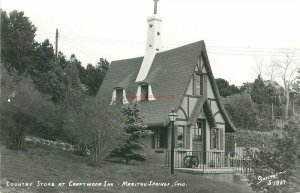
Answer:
x=172 y=116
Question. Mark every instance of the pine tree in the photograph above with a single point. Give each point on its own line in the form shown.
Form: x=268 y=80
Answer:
x=135 y=128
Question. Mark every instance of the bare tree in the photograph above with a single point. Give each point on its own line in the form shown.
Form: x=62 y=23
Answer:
x=287 y=69
x=281 y=71
x=259 y=68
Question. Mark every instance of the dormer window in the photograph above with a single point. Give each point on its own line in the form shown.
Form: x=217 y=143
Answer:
x=145 y=92
x=119 y=96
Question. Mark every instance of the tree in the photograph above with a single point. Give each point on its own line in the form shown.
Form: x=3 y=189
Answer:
x=246 y=87
x=135 y=129
x=22 y=107
x=266 y=94
x=98 y=129
x=235 y=104
x=287 y=70
x=225 y=89
x=279 y=157
x=47 y=74
x=284 y=71
x=103 y=65
x=93 y=76
x=17 y=39
x=255 y=117
x=258 y=92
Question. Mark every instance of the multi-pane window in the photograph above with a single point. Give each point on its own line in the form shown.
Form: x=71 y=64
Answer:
x=119 y=96
x=216 y=139
x=197 y=131
x=197 y=85
x=144 y=92
x=180 y=137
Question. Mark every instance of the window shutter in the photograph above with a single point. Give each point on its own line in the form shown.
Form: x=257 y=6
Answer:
x=218 y=138
x=211 y=139
x=188 y=133
x=176 y=135
x=222 y=138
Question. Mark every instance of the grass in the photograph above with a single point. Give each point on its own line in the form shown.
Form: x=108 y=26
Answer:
x=49 y=165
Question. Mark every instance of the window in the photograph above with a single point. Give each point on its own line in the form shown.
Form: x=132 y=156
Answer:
x=119 y=96
x=197 y=131
x=221 y=139
x=199 y=65
x=180 y=137
x=201 y=84
x=162 y=137
x=144 y=92
x=213 y=138
x=198 y=84
x=216 y=139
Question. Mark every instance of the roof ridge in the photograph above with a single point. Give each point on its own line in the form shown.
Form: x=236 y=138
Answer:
x=186 y=45
x=134 y=58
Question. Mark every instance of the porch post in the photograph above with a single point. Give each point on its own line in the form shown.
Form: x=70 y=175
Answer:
x=172 y=148
x=228 y=160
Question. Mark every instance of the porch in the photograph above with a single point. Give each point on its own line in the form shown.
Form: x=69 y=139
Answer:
x=210 y=162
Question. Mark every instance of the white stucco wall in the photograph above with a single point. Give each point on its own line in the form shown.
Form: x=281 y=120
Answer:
x=219 y=118
x=210 y=93
x=189 y=90
x=180 y=114
x=192 y=103
x=184 y=105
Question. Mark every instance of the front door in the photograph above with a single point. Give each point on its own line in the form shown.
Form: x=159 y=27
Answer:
x=199 y=138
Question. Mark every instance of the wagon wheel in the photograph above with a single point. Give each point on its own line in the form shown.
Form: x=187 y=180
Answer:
x=194 y=161
x=187 y=161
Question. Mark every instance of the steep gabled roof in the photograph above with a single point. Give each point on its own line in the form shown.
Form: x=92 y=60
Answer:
x=168 y=76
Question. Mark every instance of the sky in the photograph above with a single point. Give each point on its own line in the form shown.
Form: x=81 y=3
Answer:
x=237 y=33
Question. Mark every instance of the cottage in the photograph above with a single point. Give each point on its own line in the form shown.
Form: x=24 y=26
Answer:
x=179 y=79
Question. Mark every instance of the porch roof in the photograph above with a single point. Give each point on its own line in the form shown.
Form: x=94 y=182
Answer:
x=202 y=102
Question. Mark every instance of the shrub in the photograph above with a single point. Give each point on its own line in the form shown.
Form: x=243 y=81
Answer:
x=97 y=126
x=22 y=107
x=278 y=161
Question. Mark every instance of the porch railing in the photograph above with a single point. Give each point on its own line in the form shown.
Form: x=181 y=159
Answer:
x=197 y=159
x=209 y=160
x=240 y=164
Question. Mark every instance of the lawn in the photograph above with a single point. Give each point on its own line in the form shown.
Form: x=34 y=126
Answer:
x=48 y=165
